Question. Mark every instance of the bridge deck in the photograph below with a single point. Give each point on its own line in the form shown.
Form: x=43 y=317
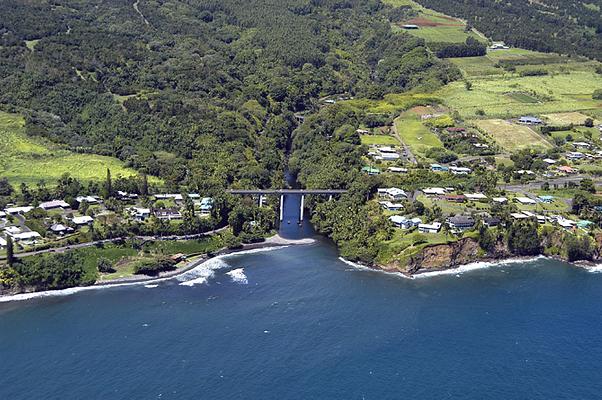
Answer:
x=286 y=191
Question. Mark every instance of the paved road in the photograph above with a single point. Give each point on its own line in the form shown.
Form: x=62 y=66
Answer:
x=554 y=181
x=113 y=240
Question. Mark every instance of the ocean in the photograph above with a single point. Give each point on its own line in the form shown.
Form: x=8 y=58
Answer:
x=300 y=323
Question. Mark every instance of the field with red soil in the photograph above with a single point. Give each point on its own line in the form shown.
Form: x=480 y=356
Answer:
x=429 y=22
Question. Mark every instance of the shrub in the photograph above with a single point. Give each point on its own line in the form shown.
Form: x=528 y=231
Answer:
x=597 y=94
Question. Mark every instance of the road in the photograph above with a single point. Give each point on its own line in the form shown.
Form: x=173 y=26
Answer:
x=113 y=240
x=408 y=153
x=534 y=185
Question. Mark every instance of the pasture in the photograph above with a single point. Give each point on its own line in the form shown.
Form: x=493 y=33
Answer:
x=30 y=160
x=510 y=136
x=575 y=118
x=384 y=140
x=490 y=95
x=415 y=135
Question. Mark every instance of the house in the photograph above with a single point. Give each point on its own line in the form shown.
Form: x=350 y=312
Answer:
x=362 y=131
x=140 y=214
x=60 y=229
x=403 y=222
x=491 y=222
x=500 y=200
x=168 y=213
x=481 y=145
x=575 y=155
x=392 y=193
x=3 y=242
x=126 y=196
x=565 y=223
x=525 y=172
x=475 y=196
x=410 y=26
x=460 y=170
x=430 y=228
x=371 y=170
x=549 y=161
x=18 y=210
x=26 y=236
x=519 y=216
x=397 y=170
x=454 y=198
x=460 y=222
x=498 y=46
x=582 y=144
x=546 y=199
x=87 y=199
x=525 y=200
x=567 y=170
x=206 y=205
x=435 y=191
x=584 y=224
x=84 y=220
x=439 y=168
x=54 y=204
x=387 y=205
x=387 y=153
x=530 y=120
x=12 y=230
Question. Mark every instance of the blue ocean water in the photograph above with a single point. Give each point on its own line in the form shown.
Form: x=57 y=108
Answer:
x=298 y=323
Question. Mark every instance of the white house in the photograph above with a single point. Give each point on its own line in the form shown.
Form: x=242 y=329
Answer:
x=140 y=214
x=397 y=170
x=475 y=196
x=24 y=236
x=575 y=155
x=525 y=200
x=18 y=210
x=391 y=206
x=430 y=228
x=434 y=191
x=84 y=220
x=392 y=193
x=404 y=222
x=87 y=199
x=51 y=205
x=501 y=200
x=549 y=161
x=460 y=170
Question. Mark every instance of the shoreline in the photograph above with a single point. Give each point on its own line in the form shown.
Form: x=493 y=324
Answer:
x=274 y=242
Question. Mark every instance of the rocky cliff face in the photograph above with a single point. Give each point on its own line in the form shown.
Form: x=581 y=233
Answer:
x=451 y=255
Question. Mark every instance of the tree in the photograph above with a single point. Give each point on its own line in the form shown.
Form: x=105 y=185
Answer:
x=144 y=184
x=468 y=85
x=523 y=238
x=597 y=95
x=108 y=187
x=589 y=123
x=587 y=185
x=579 y=248
x=10 y=252
x=104 y=265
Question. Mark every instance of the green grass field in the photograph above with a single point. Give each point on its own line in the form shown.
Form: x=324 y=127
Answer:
x=501 y=94
x=575 y=118
x=29 y=160
x=559 y=93
x=384 y=140
x=511 y=136
x=414 y=134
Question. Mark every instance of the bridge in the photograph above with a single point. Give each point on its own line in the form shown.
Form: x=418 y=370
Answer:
x=283 y=192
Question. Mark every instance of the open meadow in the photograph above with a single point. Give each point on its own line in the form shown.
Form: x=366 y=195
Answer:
x=415 y=135
x=498 y=93
x=510 y=136
x=30 y=160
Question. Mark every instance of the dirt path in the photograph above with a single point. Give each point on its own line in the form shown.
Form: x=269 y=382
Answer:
x=140 y=12
x=407 y=150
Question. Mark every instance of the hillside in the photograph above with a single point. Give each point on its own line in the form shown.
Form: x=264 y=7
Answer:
x=560 y=26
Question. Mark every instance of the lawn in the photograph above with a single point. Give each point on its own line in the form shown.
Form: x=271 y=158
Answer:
x=384 y=140
x=510 y=136
x=575 y=118
x=415 y=135
x=476 y=66
x=30 y=160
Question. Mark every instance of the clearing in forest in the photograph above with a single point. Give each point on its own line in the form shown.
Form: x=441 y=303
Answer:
x=25 y=159
x=510 y=136
x=415 y=135
x=575 y=118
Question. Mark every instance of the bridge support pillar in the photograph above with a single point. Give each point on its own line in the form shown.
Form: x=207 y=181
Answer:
x=330 y=198
x=281 y=207
x=302 y=206
x=260 y=200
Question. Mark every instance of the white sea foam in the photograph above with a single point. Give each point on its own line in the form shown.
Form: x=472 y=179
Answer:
x=361 y=267
x=455 y=271
x=202 y=273
x=594 y=269
x=151 y=286
x=238 y=276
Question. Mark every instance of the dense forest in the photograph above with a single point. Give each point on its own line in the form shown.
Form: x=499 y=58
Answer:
x=200 y=93
x=561 y=26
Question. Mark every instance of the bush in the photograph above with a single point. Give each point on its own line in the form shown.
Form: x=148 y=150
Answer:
x=154 y=267
x=597 y=94
x=533 y=72
x=104 y=265
x=441 y=155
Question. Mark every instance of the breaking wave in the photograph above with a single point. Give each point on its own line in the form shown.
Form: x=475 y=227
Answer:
x=202 y=273
x=238 y=276
x=459 y=270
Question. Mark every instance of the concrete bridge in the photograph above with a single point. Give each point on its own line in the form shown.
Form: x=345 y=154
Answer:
x=283 y=192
